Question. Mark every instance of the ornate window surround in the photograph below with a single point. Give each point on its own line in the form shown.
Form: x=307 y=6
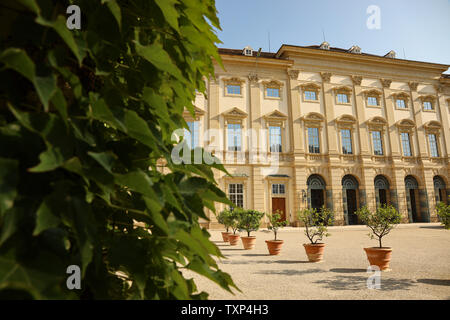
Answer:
x=343 y=90
x=234 y=115
x=433 y=127
x=400 y=96
x=428 y=98
x=310 y=86
x=198 y=113
x=347 y=121
x=238 y=178
x=373 y=93
x=314 y=120
x=275 y=84
x=276 y=119
x=378 y=124
x=406 y=125
x=234 y=81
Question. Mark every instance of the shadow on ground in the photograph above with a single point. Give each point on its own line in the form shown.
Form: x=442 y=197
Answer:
x=264 y=261
x=359 y=283
x=432 y=227
x=289 y=272
x=347 y=270
x=436 y=282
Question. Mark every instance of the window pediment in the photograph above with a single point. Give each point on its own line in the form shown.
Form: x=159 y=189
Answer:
x=346 y=121
x=313 y=118
x=310 y=86
x=342 y=89
x=234 y=114
x=234 y=81
x=428 y=97
x=273 y=84
x=372 y=93
x=400 y=95
x=405 y=125
x=432 y=127
x=187 y=115
x=275 y=118
x=377 y=123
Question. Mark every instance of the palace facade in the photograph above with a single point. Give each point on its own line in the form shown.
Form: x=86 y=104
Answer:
x=345 y=128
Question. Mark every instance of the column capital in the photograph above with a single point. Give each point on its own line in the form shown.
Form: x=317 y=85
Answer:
x=356 y=80
x=253 y=78
x=326 y=76
x=293 y=74
x=413 y=85
x=386 y=83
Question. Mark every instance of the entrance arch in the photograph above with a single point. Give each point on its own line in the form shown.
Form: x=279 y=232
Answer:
x=316 y=191
x=350 y=199
x=381 y=190
x=412 y=199
x=440 y=190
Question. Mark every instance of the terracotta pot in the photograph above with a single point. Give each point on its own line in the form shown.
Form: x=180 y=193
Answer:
x=379 y=256
x=274 y=246
x=248 y=242
x=233 y=239
x=225 y=236
x=314 y=251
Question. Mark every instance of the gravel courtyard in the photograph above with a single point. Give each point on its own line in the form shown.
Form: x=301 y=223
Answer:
x=420 y=266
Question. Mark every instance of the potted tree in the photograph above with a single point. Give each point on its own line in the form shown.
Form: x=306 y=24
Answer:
x=233 y=221
x=380 y=222
x=224 y=218
x=275 y=223
x=443 y=212
x=315 y=223
x=249 y=220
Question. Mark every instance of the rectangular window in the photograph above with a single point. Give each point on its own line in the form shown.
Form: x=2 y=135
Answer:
x=377 y=143
x=406 y=144
x=192 y=136
x=346 y=141
x=313 y=140
x=278 y=188
x=273 y=92
x=275 y=139
x=342 y=98
x=236 y=194
x=427 y=105
x=310 y=95
x=233 y=89
x=234 y=137
x=401 y=104
x=372 y=101
x=433 y=145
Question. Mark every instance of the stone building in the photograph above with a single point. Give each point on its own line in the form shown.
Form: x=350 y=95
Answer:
x=347 y=129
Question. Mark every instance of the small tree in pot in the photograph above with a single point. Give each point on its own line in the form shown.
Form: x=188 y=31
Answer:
x=443 y=212
x=249 y=220
x=380 y=222
x=224 y=218
x=275 y=223
x=315 y=223
x=233 y=221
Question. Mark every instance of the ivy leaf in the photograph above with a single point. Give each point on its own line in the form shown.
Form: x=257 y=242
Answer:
x=170 y=13
x=115 y=10
x=50 y=159
x=8 y=183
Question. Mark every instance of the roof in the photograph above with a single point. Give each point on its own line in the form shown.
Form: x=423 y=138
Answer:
x=238 y=52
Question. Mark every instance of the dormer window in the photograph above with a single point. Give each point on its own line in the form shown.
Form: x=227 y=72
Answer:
x=325 y=46
x=390 y=54
x=355 y=49
x=248 y=51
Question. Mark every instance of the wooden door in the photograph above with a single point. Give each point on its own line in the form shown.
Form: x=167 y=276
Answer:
x=279 y=204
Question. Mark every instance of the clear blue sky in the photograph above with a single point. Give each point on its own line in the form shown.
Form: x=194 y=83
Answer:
x=420 y=28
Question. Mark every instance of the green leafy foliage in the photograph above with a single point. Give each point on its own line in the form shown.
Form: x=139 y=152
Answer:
x=380 y=222
x=275 y=222
x=249 y=220
x=225 y=218
x=443 y=212
x=86 y=118
x=316 y=223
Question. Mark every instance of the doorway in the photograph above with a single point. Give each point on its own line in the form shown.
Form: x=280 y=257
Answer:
x=350 y=199
x=317 y=199
x=412 y=192
x=412 y=200
x=351 y=206
x=280 y=205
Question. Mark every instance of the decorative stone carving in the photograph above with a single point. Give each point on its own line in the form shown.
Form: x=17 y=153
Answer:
x=253 y=78
x=356 y=80
x=293 y=74
x=326 y=76
x=433 y=127
x=377 y=124
x=413 y=85
x=438 y=88
x=386 y=83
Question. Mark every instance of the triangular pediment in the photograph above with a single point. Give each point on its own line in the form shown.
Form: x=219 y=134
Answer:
x=278 y=115
x=235 y=112
x=313 y=116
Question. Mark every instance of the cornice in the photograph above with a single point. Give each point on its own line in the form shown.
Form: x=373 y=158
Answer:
x=286 y=63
